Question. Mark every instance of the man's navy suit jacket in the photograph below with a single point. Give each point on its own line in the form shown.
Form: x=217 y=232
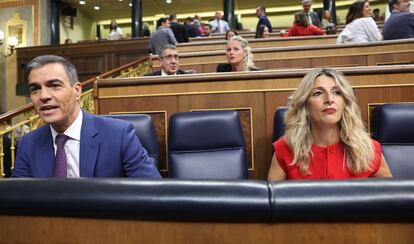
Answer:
x=108 y=148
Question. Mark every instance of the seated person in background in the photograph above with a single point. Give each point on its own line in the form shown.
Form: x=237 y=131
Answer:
x=115 y=33
x=68 y=41
x=206 y=30
x=326 y=19
x=301 y=27
x=74 y=143
x=330 y=29
x=377 y=16
x=360 y=26
x=169 y=61
x=145 y=29
x=230 y=33
x=262 y=32
x=325 y=136
x=239 y=56
x=401 y=22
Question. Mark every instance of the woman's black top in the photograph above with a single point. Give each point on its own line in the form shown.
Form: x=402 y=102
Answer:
x=227 y=68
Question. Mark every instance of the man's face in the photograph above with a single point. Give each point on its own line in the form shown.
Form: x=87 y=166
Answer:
x=169 y=61
x=54 y=98
x=207 y=29
x=218 y=15
x=306 y=8
x=402 y=6
x=258 y=12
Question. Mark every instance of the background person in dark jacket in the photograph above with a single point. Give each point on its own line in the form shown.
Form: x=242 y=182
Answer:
x=401 y=22
x=178 y=29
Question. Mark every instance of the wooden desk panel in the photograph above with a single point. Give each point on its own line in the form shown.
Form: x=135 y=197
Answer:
x=72 y=230
x=262 y=92
x=90 y=58
x=214 y=45
x=344 y=55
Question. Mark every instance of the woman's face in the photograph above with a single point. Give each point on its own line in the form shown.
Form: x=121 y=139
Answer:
x=366 y=11
x=266 y=32
x=230 y=34
x=325 y=104
x=234 y=52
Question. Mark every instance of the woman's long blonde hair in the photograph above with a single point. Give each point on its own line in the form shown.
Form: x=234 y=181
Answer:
x=248 y=59
x=358 y=145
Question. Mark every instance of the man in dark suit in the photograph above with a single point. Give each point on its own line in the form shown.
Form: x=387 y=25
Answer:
x=169 y=61
x=191 y=27
x=91 y=146
x=401 y=22
x=263 y=20
x=178 y=29
x=313 y=18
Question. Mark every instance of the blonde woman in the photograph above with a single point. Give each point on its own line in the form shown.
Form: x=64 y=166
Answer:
x=325 y=137
x=239 y=56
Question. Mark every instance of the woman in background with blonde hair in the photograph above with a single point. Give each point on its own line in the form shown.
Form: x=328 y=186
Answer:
x=325 y=137
x=239 y=56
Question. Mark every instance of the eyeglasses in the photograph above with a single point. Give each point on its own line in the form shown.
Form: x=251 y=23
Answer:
x=170 y=57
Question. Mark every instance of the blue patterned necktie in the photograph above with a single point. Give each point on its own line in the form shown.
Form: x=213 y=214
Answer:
x=61 y=165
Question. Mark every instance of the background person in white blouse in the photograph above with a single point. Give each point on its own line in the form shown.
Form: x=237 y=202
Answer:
x=115 y=33
x=360 y=26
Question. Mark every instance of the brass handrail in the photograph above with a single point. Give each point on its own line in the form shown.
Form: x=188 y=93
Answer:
x=20 y=120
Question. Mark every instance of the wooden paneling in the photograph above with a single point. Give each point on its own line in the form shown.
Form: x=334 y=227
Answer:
x=261 y=91
x=210 y=45
x=72 y=230
x=89 y=58
x=344 y=55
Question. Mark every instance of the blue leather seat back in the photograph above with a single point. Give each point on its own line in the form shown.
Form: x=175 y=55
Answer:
x=393 y=127
x=145 y=131
x=375 y=200
x=206 y=145
x=279 y=123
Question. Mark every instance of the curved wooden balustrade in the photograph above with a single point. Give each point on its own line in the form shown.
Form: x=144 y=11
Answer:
x=25 y=118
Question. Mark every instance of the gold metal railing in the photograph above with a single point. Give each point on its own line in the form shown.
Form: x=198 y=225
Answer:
x=14 y=124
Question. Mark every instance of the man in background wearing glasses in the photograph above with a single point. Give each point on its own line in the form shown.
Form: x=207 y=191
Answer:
x=169 y=61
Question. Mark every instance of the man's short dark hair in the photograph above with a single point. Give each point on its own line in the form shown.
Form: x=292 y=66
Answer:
x=391 y=4
x=172 y=17
x=43 y=60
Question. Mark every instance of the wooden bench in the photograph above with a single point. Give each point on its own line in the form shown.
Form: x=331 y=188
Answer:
x=256 y=95
x=334 y=55
x=198 y=46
